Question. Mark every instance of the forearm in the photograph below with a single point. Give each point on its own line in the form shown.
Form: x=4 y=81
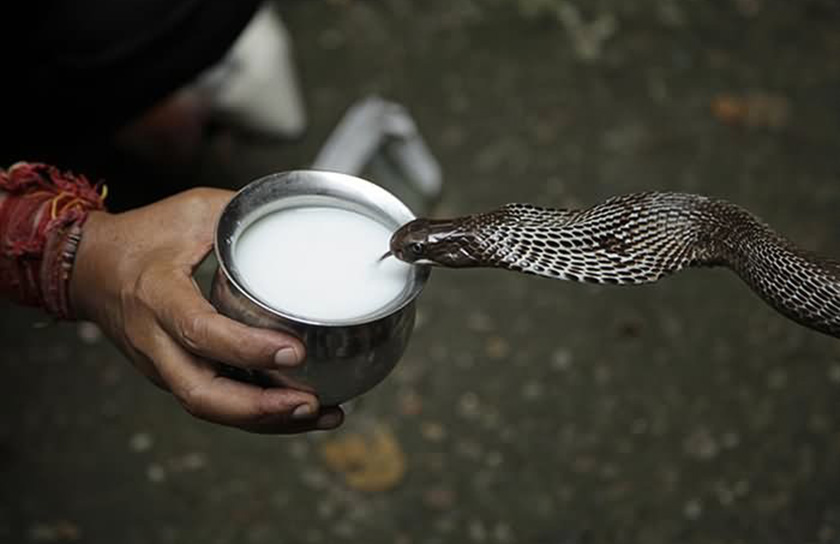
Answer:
x=42 y=211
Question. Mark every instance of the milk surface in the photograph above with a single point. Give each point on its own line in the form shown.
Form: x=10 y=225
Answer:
x=320 y=263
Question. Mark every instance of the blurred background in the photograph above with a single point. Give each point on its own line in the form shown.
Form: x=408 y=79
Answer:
x=525 y=410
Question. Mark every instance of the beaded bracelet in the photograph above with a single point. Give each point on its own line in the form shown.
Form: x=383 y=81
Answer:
x=42 y=210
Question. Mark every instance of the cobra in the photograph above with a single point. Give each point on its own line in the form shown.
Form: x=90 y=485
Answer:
x=634 y=239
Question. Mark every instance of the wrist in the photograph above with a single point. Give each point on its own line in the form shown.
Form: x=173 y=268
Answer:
x=84 y=277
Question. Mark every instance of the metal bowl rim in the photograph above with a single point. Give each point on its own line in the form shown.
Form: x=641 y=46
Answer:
x=420 y=273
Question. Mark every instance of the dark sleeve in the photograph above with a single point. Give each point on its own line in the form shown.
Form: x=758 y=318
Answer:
x=79 y=69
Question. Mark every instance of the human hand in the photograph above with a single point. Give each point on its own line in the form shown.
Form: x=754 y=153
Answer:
x=133 y=277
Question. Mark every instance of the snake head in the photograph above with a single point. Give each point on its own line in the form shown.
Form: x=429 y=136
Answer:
x=435 y=242
x=411 y=241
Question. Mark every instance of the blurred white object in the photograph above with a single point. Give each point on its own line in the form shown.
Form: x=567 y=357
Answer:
x=381 y=137
x=255 y=87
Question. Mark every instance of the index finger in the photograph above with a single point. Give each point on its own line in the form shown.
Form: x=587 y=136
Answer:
x=189 y=318
x=207 y=395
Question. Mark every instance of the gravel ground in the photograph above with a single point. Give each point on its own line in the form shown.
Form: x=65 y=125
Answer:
x=525 y=410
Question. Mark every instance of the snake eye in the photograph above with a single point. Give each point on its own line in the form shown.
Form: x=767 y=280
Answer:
x=416 y=248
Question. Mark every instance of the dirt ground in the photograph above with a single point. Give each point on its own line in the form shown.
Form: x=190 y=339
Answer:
x=525 y=410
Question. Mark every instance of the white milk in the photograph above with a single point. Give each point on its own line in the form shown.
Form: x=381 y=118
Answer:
x=320 y=263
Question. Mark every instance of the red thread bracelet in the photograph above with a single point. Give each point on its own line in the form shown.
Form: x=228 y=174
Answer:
x=41 y=220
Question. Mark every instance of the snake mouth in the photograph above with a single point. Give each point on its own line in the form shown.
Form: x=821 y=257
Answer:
x=435 y=242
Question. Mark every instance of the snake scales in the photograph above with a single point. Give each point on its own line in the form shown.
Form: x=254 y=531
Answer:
x=634 y=239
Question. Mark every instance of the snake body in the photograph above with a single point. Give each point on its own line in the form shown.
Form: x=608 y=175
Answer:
x=634 y=239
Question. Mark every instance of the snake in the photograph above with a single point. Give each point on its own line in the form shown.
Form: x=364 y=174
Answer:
x=634 y=239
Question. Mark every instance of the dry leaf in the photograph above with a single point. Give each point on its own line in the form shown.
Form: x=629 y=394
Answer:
x=369 y=462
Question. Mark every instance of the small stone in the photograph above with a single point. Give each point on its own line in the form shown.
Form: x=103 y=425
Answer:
x=725 y=494
x=432 y=431
x=469 y=405
x=588 y=37
x=314 y=478
x=497 y=348
x=561 y=359
x=140 y=442
x=701 y=445
x=693 y=509
x=193 y=461
x=533 y=390
x=89 y=333
x=156 y=473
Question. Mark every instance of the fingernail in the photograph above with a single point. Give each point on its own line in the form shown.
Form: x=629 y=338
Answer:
x=329 y=420
x=303 y=411
x=286 y=357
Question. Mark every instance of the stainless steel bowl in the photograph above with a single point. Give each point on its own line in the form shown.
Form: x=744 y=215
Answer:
x=345 y=358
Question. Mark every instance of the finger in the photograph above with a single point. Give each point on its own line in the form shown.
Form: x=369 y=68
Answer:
x=195 y=324
x=327 y=419
x=207 y=395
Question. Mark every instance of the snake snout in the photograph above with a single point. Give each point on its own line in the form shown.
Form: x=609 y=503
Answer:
x=408 y=243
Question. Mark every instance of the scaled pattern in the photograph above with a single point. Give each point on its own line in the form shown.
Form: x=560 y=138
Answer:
x=639 y=238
